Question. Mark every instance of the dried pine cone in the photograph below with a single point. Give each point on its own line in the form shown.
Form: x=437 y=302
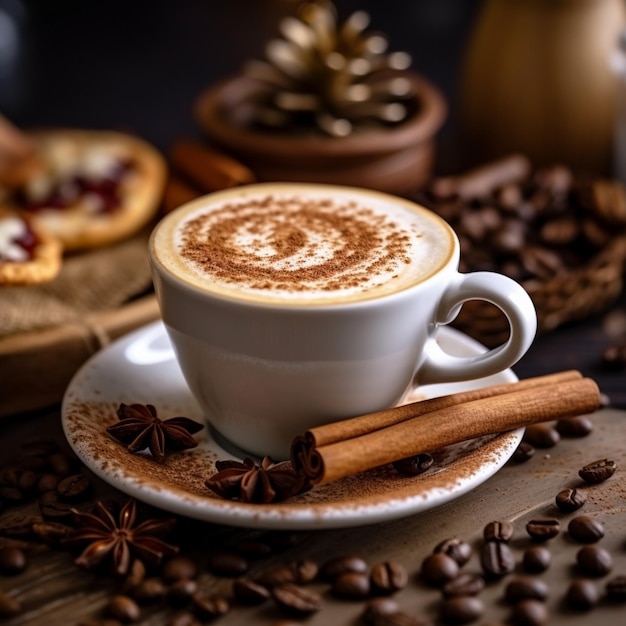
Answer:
x=330 y=76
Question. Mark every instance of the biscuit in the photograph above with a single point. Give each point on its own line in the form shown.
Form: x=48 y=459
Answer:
x=93 y=187
x=28 y=256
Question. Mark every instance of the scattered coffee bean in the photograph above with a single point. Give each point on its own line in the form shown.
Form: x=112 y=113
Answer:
x=537 y=559
x=27 y=481
x=74 y=488
x=305 y=571
x=466 y=584
x=497 y=559
x=11 y=495
x=224 y=563
x=254 y=549
x=48 y=482
x=524 y=452
x=149 y=591
x=459 y=550
x=210 y=607
x=585 y=529
x=414 y=465
x=574 y=427
x=341 y=565
x=12 y=561
x=543 y=529
x=598 y=471
x=178 y=568
x=400 y=619
x=498 y=531
x=180 y=592
x=438 y=568
x=388 y=577
x=570 y=500
x=9 y=606
x=594 y=561
x=123 y=608
x=378 y=607
x=529 y=613
x=51 y=533
x=248 y=592
x=582 y=595
x=60 y=464
x=461 y=609
x=614 y=356
x=184 y=619
x=101 y=622
x=56 y=511
x=525 y=588
x=351 y=586
x=295 y=599
x=277 y=575
x=616 y=589
x=541 y=436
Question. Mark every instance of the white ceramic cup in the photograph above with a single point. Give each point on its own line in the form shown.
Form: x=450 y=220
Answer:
x=264 y=371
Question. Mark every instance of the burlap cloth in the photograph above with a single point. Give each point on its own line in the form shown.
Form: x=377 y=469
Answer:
x=91 y=281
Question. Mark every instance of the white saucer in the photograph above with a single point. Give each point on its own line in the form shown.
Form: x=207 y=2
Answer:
x=141 y=368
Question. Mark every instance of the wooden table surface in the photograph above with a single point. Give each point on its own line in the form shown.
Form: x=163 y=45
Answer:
x=122 y=65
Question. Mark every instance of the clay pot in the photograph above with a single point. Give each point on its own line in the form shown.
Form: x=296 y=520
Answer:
x=396 y=159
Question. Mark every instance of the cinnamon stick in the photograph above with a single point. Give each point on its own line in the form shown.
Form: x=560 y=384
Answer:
x=208 y=169
x=452 y=422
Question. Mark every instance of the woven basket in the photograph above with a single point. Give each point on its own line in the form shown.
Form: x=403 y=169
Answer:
x=564 y=298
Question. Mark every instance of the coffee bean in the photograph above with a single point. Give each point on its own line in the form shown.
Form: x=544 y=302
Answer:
x=581 y=595
x=498 y=531
x=614 y=356
x=461 y=609
x=60 y=464
x=210 y=607
x=254 y=549
x=541 y=436
x=388 y=577
x=178 y=568
x=537 y=559
x=27 y=481
x=48 y=482
x=11 y=495
x=101 y=622
x=400 y=619
x=414 y=465
x=184 y=619
x=616 y=589
x=497 y=559
x=277 y=575
x=585 y=529
x=594 y=561
x=529 y=613
x=12 y=561
x=295 y=599
x=9 y=606
x=570 y=500
x=248 y=592
x=305 y=571
x=180 y=592
x=525 y=588
x=149 y=591
x=224 y=563
x=351 y=586
x=341 y=565
x=52 y=533
x=598 y=471
x=464 y=585
x=378 y=607
x=543 y=529
x=459 y=550
x=524 y=452
x=74 y=488
x=135 y=576
x=123 y=608
x=438 y=568
x=574 y=427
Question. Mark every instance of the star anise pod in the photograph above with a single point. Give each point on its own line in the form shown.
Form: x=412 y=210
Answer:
x=120 y=539
x=140 y=428
x=248 y=482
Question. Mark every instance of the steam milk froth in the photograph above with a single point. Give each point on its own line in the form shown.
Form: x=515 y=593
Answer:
x=314 y=247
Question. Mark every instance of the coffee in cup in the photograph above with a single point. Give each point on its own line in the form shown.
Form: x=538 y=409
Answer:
x=292 y=305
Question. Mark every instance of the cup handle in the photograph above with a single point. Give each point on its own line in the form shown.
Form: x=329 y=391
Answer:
x=510 y=297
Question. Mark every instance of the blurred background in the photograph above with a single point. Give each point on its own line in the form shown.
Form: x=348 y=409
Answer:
x=138 y=65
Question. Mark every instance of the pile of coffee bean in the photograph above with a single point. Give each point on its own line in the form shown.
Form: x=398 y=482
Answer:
x=530 y=225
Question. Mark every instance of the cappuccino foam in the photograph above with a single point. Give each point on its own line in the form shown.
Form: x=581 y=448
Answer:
x=294 y=247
